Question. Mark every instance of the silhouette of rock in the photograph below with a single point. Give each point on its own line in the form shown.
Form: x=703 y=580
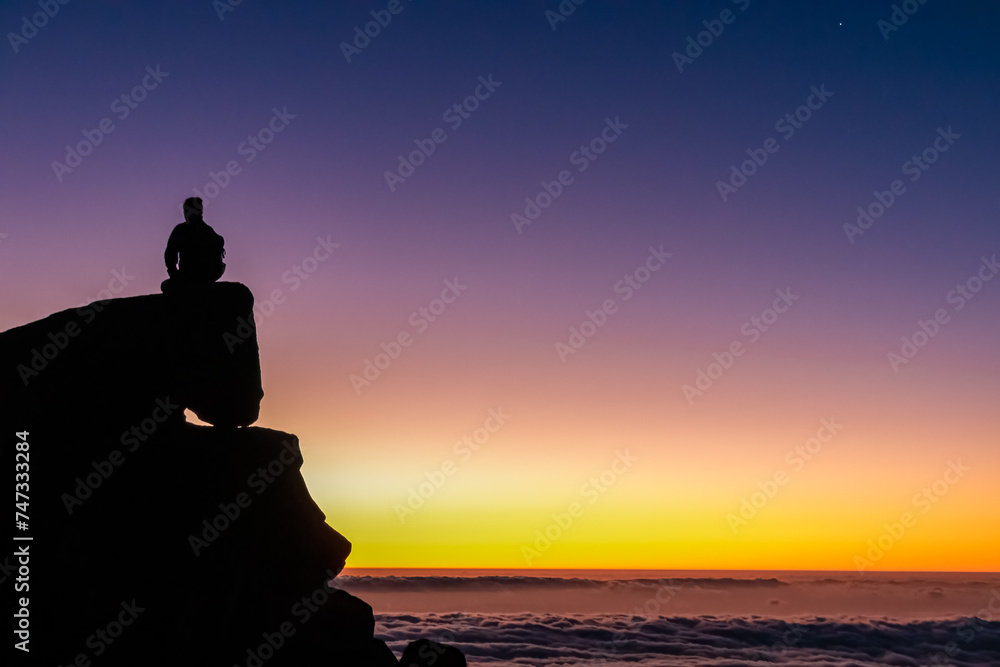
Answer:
x=115 y=358
x=426 y=653
x=155 y=541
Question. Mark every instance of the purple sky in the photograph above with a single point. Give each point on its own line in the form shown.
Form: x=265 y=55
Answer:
x=266 y=91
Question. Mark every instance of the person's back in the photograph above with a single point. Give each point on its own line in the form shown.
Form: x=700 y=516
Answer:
x=199 y=250
x=194 y=250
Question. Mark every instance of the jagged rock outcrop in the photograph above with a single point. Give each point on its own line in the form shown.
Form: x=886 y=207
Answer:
x=155 y=541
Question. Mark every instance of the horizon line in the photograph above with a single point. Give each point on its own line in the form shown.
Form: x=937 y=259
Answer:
x=631 y=569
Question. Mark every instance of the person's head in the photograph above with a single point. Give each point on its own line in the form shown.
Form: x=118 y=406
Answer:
x=192 y=208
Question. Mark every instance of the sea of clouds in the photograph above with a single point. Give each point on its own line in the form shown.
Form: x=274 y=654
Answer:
x=545 y=640
x=827 y=621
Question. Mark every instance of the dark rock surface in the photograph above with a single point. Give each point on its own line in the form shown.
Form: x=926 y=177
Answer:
x=155 y=541
x=427 y=653
x=113 y=359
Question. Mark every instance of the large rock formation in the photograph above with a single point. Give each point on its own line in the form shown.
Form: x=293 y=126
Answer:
x=155 y=541
x=109 y=362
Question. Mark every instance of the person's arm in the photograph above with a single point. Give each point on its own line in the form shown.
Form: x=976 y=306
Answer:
x=171 y=254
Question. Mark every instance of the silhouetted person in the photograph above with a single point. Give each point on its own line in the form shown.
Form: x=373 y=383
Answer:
x=194 y=251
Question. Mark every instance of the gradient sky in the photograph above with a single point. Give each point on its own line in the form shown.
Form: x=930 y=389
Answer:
x=494 y=347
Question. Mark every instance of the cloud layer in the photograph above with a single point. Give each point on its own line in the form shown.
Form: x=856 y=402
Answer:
x=544 y=640
x=788 y=596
